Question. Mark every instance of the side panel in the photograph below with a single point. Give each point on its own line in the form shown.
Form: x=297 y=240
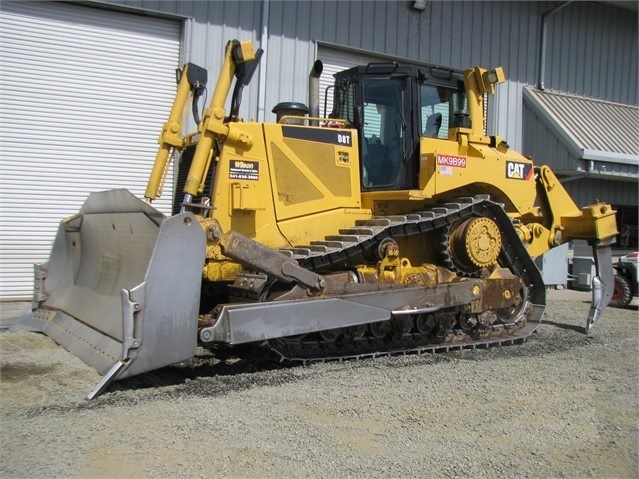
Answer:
x=313 y=169
x=242 y=197
x=294 y=185
x=506 y=175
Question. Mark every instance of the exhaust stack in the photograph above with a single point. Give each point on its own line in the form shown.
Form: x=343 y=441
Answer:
x=313 y=91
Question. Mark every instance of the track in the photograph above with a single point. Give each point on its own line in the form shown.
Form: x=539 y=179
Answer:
x=442 y=331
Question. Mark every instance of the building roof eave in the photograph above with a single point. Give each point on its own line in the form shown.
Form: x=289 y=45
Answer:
x=610 y=156
x=572 y=121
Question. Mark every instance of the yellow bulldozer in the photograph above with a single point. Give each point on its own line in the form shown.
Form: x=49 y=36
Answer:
x=394 y=225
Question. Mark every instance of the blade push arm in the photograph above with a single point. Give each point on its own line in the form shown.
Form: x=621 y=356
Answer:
x=191 y=82
x=240 y=61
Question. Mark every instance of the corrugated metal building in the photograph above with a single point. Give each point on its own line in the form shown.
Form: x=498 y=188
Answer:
x=86 y=87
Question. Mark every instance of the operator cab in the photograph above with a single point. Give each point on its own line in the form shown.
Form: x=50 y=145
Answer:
x=378 y=100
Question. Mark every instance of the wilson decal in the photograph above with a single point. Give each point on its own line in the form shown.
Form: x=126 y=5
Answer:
x=244 y=170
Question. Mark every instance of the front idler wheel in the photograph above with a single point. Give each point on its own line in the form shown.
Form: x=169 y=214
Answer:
x=518 y=310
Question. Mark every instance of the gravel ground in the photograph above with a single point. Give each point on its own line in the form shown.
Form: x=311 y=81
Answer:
x=561 y=405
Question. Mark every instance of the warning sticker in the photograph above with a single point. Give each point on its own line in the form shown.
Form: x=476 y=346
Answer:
x=450 y=160
x=446 y=170
x=244 y=170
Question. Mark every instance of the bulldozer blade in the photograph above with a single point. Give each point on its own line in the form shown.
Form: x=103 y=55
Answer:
x=121 y=288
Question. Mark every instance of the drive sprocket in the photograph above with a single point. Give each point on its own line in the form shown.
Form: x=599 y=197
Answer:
x=470 y=245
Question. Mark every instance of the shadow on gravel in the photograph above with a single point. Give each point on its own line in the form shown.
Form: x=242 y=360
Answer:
x=208 y=375
x=630 y=307
x=221 y=373
x=542 y=342
x=214 y=374
x=569 y=327
x=18 y=371
x=204 y=375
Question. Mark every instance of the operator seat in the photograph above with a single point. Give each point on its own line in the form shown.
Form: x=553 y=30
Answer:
x=433 y=124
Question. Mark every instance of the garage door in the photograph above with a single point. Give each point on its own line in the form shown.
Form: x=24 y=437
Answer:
x=334 y=61
x=84 y=93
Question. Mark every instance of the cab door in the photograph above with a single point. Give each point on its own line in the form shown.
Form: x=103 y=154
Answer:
x=389 y=159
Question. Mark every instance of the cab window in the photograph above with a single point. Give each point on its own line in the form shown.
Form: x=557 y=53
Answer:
x=383 y=132
x=437 y=109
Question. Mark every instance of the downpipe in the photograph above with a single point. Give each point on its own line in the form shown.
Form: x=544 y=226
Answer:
x=542 y=43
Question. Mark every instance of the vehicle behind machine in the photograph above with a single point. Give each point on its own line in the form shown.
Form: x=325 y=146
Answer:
x=626 y=284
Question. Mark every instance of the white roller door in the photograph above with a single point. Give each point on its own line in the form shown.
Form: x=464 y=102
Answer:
x=335 y=60
x=83 y=94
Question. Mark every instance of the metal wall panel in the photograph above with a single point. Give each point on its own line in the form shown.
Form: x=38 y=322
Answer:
x=591 y=48
x=592 y=51
x=544 y=146
x=84 y=94
x=508 y=119
x=585 y=191
x=289 y=60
